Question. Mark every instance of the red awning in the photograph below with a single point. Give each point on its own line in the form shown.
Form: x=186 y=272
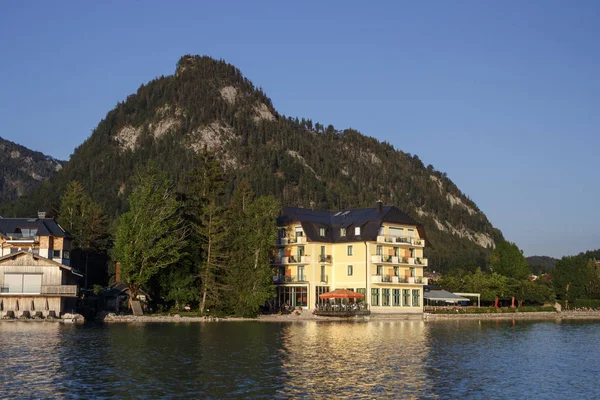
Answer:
x=341 y=294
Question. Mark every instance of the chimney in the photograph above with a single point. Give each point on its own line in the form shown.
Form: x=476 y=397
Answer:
x=41 y=214
x=379 y=206
x=118 y=272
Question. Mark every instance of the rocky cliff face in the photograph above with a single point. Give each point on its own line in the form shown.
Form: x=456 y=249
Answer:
x=23 y=170
x=207 y=105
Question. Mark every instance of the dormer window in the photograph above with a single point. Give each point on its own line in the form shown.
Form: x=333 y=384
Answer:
x=357 y=231
x=322 y=232
x=342 y=232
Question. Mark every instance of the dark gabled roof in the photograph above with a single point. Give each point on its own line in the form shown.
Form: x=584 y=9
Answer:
x=44 y=226
x=368 y=219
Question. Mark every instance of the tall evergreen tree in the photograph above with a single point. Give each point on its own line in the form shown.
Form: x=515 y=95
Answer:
x=209 y=230
x=151 y=234
x=253 y=233
x=84 y=219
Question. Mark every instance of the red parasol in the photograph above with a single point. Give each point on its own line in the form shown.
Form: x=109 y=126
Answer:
x=341 y=294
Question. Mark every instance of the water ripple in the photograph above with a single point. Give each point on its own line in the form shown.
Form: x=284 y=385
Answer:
x=359 y=360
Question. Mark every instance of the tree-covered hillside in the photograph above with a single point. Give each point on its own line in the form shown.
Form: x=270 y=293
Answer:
x=23 y=170
x=208 y=104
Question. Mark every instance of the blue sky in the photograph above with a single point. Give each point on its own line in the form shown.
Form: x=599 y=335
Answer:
x=503 y=96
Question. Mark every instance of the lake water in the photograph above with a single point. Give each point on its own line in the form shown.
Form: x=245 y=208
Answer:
x=386 y=359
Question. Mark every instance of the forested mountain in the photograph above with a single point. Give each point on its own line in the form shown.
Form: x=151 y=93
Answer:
x=23 y=170
x=541 y=264
x=208 y=104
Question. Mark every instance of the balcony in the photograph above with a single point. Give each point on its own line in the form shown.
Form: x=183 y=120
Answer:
x=292 y=260
x=20 y=238
x=291 y=240
x=400 y=240
x=379 y=259
x=44 y=290
x=417 y=280
x=325 y=259
x=61 y=290
x=289 y=278
x=421 y=261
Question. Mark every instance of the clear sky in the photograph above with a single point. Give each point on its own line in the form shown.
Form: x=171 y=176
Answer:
x=503 y=96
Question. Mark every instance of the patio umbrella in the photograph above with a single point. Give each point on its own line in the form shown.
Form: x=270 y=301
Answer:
x=341 y=294
x=17 y=306
x=1 y=305
x=46 y=308
x=32 y=306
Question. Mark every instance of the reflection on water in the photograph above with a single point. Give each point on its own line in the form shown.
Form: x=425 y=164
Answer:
x=363 y=359
x=387 y=359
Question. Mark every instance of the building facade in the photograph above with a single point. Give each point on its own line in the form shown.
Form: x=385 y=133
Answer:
x=41 y=236
x=374 y=251
x=35 y=273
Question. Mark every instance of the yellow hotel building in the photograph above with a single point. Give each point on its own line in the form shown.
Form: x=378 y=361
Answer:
x=375 y=251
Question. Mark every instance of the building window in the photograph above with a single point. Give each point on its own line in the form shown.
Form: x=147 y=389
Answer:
x=380 y=270
x=323 y=274
x=350 y=270
x=22 y=283
x=14 y=250
x=406 y=297
x=301 y=277
x=300 y=253
x=415 y=298
x=396 y=271
x=396 y=297
x=362 y=291
x=349 y=250
x=385 y=297
x=342 y=232
x=379 y=250
x=374 y=297
x=320 y=290
x=66 y=254
x=322 y=232
x=55 y=253
x=412 y=272
x=357 y=231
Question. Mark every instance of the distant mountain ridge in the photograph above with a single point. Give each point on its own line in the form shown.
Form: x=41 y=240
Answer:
x=541 y=264
x=23 y=170
x=208 y=105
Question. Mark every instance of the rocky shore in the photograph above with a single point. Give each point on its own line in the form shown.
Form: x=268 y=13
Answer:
x=307 y=316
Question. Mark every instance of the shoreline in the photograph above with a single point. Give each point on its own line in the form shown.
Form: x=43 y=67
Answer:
x=567 y=315
x=306 y=316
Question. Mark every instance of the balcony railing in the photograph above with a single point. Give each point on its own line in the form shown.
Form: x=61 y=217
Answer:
x=419 y=280
x=291 y=240
x=325 y=259
x=289 y=278
x=400 y=240
x=20 y=237
x=60 y=290
x=63 y=290
x=380 y=259
x=292 y=260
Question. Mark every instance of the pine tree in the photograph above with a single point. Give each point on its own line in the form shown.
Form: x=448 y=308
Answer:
x=209 y=229
x=85 y=220
x=250 y=276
